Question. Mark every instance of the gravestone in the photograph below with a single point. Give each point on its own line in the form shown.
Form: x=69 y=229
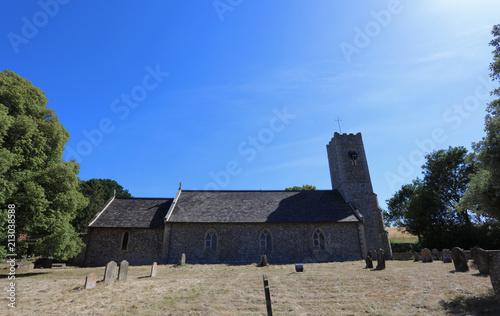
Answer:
x=122 y=272
x=369 y=261
x=153 y=269
x=435 y=254
x=447 y=256
x=481 y=259
x=380 y=260
x=426 y=255
x=459 y=259
x=183 y=259
x=90 y=281
x=110 y=273
x=494 y=267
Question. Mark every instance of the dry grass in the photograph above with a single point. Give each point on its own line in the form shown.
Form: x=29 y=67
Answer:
x=399 y=234
x=404 y=288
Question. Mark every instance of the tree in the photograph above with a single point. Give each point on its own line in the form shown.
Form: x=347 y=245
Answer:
x=305 y=187
x=97 y=191
x=33 y=176
x=429 y=208
x=483 y=195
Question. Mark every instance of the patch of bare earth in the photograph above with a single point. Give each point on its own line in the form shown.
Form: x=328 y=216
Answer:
x=345 y=288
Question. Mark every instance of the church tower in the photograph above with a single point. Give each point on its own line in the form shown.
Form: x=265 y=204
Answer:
x=350 y=176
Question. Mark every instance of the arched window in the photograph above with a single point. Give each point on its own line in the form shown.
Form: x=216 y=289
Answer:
x=266 y=241
x=211 y=240
x=319 y=242
x=125 y=241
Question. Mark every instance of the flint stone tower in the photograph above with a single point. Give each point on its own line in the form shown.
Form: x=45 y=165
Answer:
x=350 y=176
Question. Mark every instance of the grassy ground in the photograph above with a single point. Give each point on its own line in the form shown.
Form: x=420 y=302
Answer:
x=345 y=288
x=399 y=235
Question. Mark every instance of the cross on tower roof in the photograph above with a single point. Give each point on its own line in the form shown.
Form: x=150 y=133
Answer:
x=338 y=120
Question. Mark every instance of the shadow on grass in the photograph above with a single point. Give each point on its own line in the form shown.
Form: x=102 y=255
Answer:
x=482 y=305
x=22 y=275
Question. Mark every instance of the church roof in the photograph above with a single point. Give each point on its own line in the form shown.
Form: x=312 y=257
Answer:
x=133 y=213
x=227 y=207
x=261 y=207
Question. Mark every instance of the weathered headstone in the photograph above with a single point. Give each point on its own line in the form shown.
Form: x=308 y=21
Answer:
x=90 y=281
x=110 y=273
x=369 y=261
x=459 y=259
x=380 y=260
x=435 y=254
x=426 y=255
x=447 y=256
x=263 y=261
x=183 y=259
x=481 y=259
x=122 y=272
x=153 y=269
x=494 y=266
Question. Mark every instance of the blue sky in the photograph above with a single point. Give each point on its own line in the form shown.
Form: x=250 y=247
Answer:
x=239 y=94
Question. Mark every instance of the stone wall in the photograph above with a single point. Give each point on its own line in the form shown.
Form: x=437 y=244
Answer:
x=239 y=243
x=104 y=245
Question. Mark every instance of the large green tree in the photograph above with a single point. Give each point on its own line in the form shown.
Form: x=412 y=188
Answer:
x=33 y=175
x=429 y=207
x=97 y=191
x=483 y=195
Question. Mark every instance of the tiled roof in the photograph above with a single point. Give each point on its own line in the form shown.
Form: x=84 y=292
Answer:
x=261 y=206
x=133 y=213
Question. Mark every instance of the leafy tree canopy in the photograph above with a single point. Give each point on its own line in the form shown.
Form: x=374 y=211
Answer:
x=483 y=195
x=97 y=191
x=33 y=176
x=305 y=187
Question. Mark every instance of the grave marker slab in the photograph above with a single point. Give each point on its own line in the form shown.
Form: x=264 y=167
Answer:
x=183 y=259
x=110 y=273
x=153 y=269
x=494 y=267
x=122 y=272
x=481 y=259
x=368 y=260
x=447 y=256
x=90 y=281
x=459 y=259
x=380 y=260
x=435 y=254
x=426 y=255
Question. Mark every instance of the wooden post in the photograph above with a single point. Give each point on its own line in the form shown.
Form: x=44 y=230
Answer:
x=268 y=296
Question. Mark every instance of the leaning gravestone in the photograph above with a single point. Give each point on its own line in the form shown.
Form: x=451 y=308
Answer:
x=494 y=266
x=369 y=262
x=110 y=273
x=459 y=259
x=447 y=256
x=122 y=272
x=435 y=254
x=380 y=260
x=481 y=259
x=90 y=281
x=426 y=255
x=153 y=269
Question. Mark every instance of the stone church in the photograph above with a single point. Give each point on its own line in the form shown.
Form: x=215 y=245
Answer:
x=240 y=226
